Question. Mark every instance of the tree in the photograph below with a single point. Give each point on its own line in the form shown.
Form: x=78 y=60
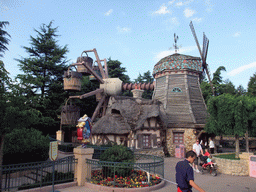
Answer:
x=252 y=86
x=146 y=78
x=240 y=90
x=227 y=87
x=42 y=78
x=115 y=70
x=4 y=40
x=206 y=90
x=4 y=79
x=231 y=115
x=217 y=79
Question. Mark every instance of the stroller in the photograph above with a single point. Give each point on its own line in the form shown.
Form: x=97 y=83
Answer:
x=209 y=167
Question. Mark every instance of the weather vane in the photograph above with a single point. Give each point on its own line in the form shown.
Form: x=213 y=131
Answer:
x=175 y=42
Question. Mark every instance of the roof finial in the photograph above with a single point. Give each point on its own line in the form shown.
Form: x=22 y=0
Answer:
x=175 y=43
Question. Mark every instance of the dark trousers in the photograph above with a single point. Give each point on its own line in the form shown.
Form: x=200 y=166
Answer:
x=211 y=150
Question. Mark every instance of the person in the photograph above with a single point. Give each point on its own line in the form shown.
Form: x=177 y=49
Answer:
x=185 y=174
x=206 y=153
x=198 y=150
x=211 y=146
x=202 y=145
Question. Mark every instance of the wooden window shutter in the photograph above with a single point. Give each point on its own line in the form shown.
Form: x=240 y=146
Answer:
x=154 y=140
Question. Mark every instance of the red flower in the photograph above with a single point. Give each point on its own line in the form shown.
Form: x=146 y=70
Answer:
x=121 y=177
x=115 y=176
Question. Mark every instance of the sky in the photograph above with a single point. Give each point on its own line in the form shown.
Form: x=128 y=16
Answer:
x=139 y=33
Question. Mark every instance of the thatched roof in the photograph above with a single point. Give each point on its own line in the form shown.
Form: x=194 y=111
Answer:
x=127 y=113
x=111 y=124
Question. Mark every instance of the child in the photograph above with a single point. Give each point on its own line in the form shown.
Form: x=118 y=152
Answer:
x=209 y=161
x=206 y=153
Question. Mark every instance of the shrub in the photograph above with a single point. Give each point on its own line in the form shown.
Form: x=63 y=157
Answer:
x=117 y=153
x=25 y=145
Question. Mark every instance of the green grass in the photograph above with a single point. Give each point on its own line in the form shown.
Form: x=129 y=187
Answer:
x=228 y=156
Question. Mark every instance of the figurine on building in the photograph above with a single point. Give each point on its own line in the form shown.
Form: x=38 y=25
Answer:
x=84 y=128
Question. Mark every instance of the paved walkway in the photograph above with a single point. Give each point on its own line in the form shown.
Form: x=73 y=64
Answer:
x=220 y=183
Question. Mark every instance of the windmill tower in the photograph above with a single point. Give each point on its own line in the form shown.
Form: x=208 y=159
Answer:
x=177 y=86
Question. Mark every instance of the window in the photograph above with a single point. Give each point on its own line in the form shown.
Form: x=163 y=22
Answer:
x=178 y=137
x=176 y=89
x=146 y=142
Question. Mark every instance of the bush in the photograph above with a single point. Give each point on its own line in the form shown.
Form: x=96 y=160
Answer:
x=25 y=145
x=117 y=153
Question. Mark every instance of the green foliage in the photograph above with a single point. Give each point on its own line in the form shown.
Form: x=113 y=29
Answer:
x=252 y=86
x=25 y=145
x=42 y=82
x=227 y=156
x=115 y=70
x=4 y=40
x=146 y=78
x=117 y=153
x=206 y=90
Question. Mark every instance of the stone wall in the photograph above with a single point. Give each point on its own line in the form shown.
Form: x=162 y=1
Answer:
x=189 y=139
x=233 y=167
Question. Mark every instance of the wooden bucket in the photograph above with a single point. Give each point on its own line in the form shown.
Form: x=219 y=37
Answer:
x=70 y=114
x=81 y=68
x=72 y=80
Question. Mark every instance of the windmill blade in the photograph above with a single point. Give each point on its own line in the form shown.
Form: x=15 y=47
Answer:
x=98 y=107
x=87 y=94
x=205 y=45
x=194 y=34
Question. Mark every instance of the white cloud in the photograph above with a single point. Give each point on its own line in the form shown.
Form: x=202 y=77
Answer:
x=237 y=34
x=162 y=10
x=123 y=29
x=182 y=50
x=189 y=12
x=171 y=2
x=197 y=20
x=241 y=69
x=182 y=3
x=179 y=4
x=108 y=12
x=174 y=21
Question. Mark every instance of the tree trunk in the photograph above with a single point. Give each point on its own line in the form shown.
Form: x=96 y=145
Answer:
x=237 y=146
x=246 y=141
x=1 y=159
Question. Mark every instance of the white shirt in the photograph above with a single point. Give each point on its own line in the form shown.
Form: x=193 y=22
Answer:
x=211 y=144
x=197 y=148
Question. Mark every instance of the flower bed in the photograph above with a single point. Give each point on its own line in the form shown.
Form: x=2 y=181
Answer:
x=135 y=180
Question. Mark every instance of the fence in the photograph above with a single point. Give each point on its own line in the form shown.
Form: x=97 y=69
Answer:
x=38 y=174
x=125 y=174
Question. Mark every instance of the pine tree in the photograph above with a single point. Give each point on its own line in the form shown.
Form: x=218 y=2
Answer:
x=252 y=86
x=43 y=70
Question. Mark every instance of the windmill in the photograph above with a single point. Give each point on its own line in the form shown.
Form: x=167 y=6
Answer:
x=203 y=54
x=108 y=86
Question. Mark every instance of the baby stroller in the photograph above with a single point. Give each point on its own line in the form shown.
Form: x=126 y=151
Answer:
x=209 y=167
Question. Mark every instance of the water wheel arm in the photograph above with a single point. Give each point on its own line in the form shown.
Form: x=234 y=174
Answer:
x=87 y=94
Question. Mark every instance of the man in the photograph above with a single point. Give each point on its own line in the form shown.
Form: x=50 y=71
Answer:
x=197 y=148
x=185 y=174
x=211 y=146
